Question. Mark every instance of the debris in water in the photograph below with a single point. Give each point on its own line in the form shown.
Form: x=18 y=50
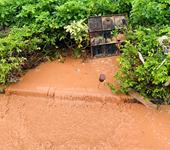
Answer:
x=141 y=99
x=102 y=78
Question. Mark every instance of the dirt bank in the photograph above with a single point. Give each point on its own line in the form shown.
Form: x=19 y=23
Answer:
x=28 y=123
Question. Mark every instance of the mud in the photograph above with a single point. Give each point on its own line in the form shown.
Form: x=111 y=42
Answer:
x=28 y=123
x=72 y=76
x=70 y=110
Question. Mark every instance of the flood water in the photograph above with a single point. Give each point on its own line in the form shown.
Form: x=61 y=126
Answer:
x=28 y=123
x=81 y=115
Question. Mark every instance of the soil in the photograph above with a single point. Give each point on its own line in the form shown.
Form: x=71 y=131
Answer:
x=70 y=110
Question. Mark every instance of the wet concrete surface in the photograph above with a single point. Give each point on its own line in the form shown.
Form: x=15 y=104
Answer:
x=32 y=123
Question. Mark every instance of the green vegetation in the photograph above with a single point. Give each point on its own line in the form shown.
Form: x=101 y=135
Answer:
x=149 y=74
x=32 y=31
x=144 y=66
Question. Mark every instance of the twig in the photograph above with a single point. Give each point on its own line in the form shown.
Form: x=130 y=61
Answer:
x=146 y=102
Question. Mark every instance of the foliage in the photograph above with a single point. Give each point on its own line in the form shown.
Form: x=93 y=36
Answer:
x=148 y=78
x=79 y=33
x=149 y=12
x=13 y=48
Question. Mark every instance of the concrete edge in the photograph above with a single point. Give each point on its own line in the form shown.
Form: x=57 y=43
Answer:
x=68 y=95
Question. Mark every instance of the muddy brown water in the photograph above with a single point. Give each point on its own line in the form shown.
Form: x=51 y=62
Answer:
x=78 y=121
x=72 y=75
x=29 y=123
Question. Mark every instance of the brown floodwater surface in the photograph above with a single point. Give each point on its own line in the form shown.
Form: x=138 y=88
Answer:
x=28 y=123
x=71 y=76
x=63 y=106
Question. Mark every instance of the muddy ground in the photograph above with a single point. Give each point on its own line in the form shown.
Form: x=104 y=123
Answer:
x=63 y=107
x=28 y=123
x=73 y=75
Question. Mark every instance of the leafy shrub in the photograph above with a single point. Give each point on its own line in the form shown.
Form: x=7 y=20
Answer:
x=9 y=10
x=13 y=48
x=148 y=76
x=79 y=33
x=149 y=12
x=71 y=11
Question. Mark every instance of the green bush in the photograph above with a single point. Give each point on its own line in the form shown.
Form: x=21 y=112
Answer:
x=144 y=66
x=14 y=49
x=78 y=31
x=150 y=12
